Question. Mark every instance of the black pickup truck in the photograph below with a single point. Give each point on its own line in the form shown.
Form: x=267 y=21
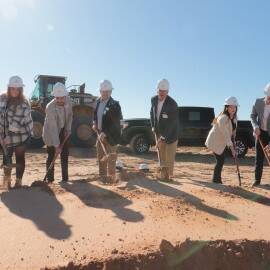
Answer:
x=195 y=123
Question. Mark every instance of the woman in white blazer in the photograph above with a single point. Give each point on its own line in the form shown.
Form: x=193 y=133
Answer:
x=221 y=134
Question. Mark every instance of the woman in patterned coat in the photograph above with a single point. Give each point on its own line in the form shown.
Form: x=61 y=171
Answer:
x=16 y=127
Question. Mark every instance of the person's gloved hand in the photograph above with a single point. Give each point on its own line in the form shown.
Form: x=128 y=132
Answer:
x=67 y=133
x=102 y=136
x=257 y=132
x=160 y=141
x=233 y=151
x=58 y=150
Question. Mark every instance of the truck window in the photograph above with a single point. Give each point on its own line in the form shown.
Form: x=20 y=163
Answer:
x=194 y=116
x=36 y=93
x=49 y=89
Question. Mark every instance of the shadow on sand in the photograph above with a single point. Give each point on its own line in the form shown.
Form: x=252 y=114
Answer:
x=238 y=191
x=98 y=197
x=169 y=191
x=42 y=208
x=206 y=158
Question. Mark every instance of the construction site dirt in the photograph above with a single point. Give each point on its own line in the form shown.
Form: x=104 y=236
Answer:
x=140 y=223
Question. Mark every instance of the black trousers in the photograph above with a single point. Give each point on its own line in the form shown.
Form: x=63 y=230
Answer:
x=20 y=159
x=218 y=167
x=265 y=138
x=64 y=158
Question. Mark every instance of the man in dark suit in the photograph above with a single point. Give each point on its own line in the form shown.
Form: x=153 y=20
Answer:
x=106 y=123
x=165 y=123
x=260 y=119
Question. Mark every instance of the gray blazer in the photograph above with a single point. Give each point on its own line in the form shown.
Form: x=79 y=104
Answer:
x=52 y=127
x=257 y=114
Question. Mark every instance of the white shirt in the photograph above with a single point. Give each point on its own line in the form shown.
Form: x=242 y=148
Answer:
x=100 y=112
x=159 y=108
x=266 y=115
x=61 y=115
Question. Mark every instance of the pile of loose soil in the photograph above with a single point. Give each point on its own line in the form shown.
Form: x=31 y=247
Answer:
x=201 y=255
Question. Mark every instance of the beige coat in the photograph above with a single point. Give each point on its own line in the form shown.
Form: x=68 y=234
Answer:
x=55 y=120
x=220 y=135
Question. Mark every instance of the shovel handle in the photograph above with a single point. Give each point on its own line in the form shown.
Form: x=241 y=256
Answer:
x=158 y=152
x=55 y=157
x=237 y=163
x=5 y=154
x=102 y=144
x=264 y=151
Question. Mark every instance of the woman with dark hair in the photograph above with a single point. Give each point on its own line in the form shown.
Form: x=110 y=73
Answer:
x=16 y=127
x=221 y=135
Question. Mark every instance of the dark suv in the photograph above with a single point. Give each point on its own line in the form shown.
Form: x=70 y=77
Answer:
x=195 y=123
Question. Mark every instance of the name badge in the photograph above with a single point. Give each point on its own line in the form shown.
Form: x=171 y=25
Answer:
x=165 y=116
x=106 y=110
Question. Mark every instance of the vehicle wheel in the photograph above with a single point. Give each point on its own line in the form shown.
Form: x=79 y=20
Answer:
x=139 y=144
x=241 y=147
x=38 y=121
x=82 y=134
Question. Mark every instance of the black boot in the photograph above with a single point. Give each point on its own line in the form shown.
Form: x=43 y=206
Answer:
x=217 y=181
x=256 y=183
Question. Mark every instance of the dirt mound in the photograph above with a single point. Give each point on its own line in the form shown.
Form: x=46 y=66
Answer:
x=201 y=255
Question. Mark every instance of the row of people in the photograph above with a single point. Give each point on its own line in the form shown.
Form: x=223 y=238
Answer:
x=16 y=128
x=106 y=124
x=222 y=135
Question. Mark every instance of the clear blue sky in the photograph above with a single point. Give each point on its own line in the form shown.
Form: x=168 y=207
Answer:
x=207 y=49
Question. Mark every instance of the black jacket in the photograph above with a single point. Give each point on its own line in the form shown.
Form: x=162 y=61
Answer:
x=110 y=121
x=168 y=124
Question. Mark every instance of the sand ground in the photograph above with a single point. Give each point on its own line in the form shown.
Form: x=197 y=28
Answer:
x=83 y=219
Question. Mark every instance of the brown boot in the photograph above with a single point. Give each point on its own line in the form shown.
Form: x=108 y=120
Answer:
x=103 y=179
x=6 y=181
x=164 y=174
x=7 y=178
x=112 y=179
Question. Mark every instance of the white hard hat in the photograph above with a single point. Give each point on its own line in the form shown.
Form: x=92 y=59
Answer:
x=59 y=90
x=231 y=101
x=105 y=85
x=143 y=167
x=267 y=90
x=16 y=82
x=163 y=85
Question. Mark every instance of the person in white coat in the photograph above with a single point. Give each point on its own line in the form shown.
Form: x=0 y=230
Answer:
x=57 y=128
x=222 y=134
